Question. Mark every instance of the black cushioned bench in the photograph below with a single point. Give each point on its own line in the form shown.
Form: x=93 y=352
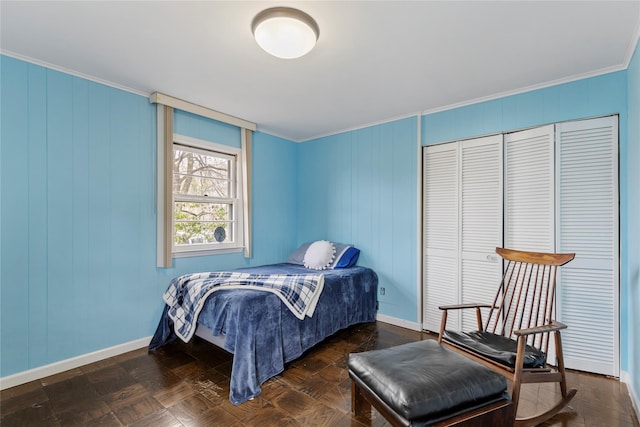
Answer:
x=424 y=384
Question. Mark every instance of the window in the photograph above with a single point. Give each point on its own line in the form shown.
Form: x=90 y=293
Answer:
x=207 y=202
x=216 y=196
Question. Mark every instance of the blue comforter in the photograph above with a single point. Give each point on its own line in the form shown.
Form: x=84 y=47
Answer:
x=263 y=334
x=188 y=293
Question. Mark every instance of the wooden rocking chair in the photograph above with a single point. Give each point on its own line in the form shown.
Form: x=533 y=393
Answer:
x=514 y=338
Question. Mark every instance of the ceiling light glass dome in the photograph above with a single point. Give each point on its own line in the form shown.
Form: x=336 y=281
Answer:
x=285 y=32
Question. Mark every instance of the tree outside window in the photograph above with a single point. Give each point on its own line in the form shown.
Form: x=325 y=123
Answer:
x=204 y=193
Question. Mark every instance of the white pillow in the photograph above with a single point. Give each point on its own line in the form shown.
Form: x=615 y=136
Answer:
x=319 y=255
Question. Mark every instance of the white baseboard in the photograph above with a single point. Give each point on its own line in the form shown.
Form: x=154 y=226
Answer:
x=633 y=393
x=414 y=326
x=72 y=363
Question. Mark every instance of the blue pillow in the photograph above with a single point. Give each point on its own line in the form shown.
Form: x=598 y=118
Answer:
x=346 y=256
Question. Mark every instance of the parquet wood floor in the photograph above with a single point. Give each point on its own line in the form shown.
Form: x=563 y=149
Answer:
x=188 y=385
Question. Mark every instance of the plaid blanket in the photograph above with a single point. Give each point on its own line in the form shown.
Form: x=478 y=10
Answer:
x=187 y=294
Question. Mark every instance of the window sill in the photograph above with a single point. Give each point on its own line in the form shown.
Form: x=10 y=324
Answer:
x=205 y=252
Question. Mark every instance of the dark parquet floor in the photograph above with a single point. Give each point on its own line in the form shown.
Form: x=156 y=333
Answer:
x=188 y=385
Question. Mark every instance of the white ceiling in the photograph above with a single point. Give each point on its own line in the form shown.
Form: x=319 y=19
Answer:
x=374 y=61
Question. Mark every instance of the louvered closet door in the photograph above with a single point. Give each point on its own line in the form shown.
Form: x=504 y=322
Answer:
x=440 y=228
x=529 y=190
x=529 y=194
x=480 y=221
x=587 y=191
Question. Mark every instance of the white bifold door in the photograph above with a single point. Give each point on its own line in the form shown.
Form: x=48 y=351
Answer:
x=547 y=189
x=462 y=226
x=587 y=200
x=529 y=197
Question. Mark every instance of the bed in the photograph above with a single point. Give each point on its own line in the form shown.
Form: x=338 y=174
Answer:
x=263 y=334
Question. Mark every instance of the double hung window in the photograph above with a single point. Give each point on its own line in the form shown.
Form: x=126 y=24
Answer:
x=204 y=188
x=207 y=202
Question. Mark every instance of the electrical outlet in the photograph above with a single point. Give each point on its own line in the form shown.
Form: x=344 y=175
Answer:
x=382 y=291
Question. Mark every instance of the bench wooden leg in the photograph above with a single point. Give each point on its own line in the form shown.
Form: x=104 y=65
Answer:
x=359 y=405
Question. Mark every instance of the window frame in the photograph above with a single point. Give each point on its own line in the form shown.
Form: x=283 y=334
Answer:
x=237 y=200
x=166 y=105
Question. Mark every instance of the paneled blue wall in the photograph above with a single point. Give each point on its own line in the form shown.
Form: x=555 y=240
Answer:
x=77 y=207
x=78 y=214
x=206 y=129
x=360 y=187
x=274 y=199
x=633 y=219
x=597 y=96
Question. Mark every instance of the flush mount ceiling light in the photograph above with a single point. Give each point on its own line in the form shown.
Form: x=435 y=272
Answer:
x=285 y=32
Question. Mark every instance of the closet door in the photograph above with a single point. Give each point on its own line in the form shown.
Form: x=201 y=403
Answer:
x=587 y=215
x=480 y=222
x=440 y=232
x=462 y=227
x=529 y=191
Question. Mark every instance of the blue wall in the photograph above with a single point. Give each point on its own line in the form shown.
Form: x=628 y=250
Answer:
x=78 y=220
x=585 y=98
x=360 y=187
x=633 y=218
x=274 y=203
